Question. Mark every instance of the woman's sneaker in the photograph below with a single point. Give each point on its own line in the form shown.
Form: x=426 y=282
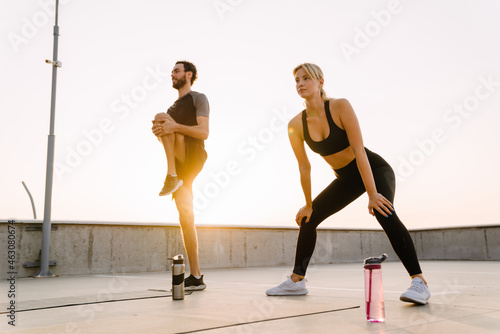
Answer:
x=192 y=283
x=418 y=292
x=289 y=288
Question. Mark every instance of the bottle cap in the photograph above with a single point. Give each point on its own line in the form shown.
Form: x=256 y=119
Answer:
x=178 y=259
x=375 y=260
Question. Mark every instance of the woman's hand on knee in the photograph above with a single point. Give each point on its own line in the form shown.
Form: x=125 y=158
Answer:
x=381 y=204
x=304 y=212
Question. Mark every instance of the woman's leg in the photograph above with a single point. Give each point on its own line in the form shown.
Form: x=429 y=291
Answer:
x=400 y=239
x=338 y=195
x=396 y=232
x=331 y=200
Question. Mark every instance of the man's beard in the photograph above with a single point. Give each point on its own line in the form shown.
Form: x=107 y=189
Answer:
x=180 y=82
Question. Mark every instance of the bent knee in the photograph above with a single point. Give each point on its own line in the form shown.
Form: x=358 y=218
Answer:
x=309 y=226
x=160 y=116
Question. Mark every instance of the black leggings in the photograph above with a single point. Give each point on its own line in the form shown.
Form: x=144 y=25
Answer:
x=343 y=190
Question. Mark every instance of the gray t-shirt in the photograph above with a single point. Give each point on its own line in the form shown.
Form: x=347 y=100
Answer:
x=188 y=107
x=200 y=103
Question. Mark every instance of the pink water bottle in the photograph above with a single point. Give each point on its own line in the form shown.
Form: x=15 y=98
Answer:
x=374 y=290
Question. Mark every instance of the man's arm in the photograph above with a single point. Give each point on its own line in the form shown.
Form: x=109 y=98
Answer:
x=199 y=131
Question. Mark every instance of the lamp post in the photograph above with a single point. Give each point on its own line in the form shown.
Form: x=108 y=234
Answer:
x=44 y=258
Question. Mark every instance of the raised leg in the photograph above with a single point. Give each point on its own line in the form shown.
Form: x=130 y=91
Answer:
x=179 y=147
x=174 y=147
x=168 y=142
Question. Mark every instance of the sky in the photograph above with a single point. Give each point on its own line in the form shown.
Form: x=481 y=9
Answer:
x=422 y=76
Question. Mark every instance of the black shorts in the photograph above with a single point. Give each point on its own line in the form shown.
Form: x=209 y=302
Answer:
x=194 y=160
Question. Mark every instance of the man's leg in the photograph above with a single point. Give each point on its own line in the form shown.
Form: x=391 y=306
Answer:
x=180 y=148
x=172 y=148
x=184 y=203
x=168 y=142
x=194 y=161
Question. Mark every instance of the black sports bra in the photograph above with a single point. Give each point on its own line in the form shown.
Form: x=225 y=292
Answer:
x=336 y=140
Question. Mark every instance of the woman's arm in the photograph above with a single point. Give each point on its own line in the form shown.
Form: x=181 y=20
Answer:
x=297 y=141
x=353 y=130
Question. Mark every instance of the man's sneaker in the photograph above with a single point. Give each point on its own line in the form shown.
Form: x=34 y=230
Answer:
x=172 y=183
x=289 y=288
x=192 y=283
x=418 y=292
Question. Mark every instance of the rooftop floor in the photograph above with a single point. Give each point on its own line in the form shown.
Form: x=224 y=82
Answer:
x=465 y=299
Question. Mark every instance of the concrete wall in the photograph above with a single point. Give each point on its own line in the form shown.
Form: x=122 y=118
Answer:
x=97 y=248
x=469 y=243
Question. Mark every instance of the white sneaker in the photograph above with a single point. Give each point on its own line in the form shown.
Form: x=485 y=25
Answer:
x=418 y=292
x=289 y=288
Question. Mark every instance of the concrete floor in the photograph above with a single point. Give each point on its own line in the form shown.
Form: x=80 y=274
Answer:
x=465 y=299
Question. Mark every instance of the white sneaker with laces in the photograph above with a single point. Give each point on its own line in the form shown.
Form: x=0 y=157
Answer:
x=289 y=288
x=418 y=292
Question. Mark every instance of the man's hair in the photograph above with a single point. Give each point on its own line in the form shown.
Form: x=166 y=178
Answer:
x=189 y=67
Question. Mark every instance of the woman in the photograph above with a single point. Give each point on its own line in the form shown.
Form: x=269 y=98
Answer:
x=330 y=127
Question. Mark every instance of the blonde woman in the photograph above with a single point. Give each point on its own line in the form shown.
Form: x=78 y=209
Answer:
x=330 y=128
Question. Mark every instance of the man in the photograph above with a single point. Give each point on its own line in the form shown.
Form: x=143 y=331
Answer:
x=182 y=131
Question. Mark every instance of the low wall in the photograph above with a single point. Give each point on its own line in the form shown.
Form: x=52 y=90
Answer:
x=460 y=243
x=97 y=248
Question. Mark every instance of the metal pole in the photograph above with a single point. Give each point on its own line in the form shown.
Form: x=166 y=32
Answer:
x=31 y=199
x=44 y=265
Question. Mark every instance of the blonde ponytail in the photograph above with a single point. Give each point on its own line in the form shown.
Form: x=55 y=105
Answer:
x=323 y=94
